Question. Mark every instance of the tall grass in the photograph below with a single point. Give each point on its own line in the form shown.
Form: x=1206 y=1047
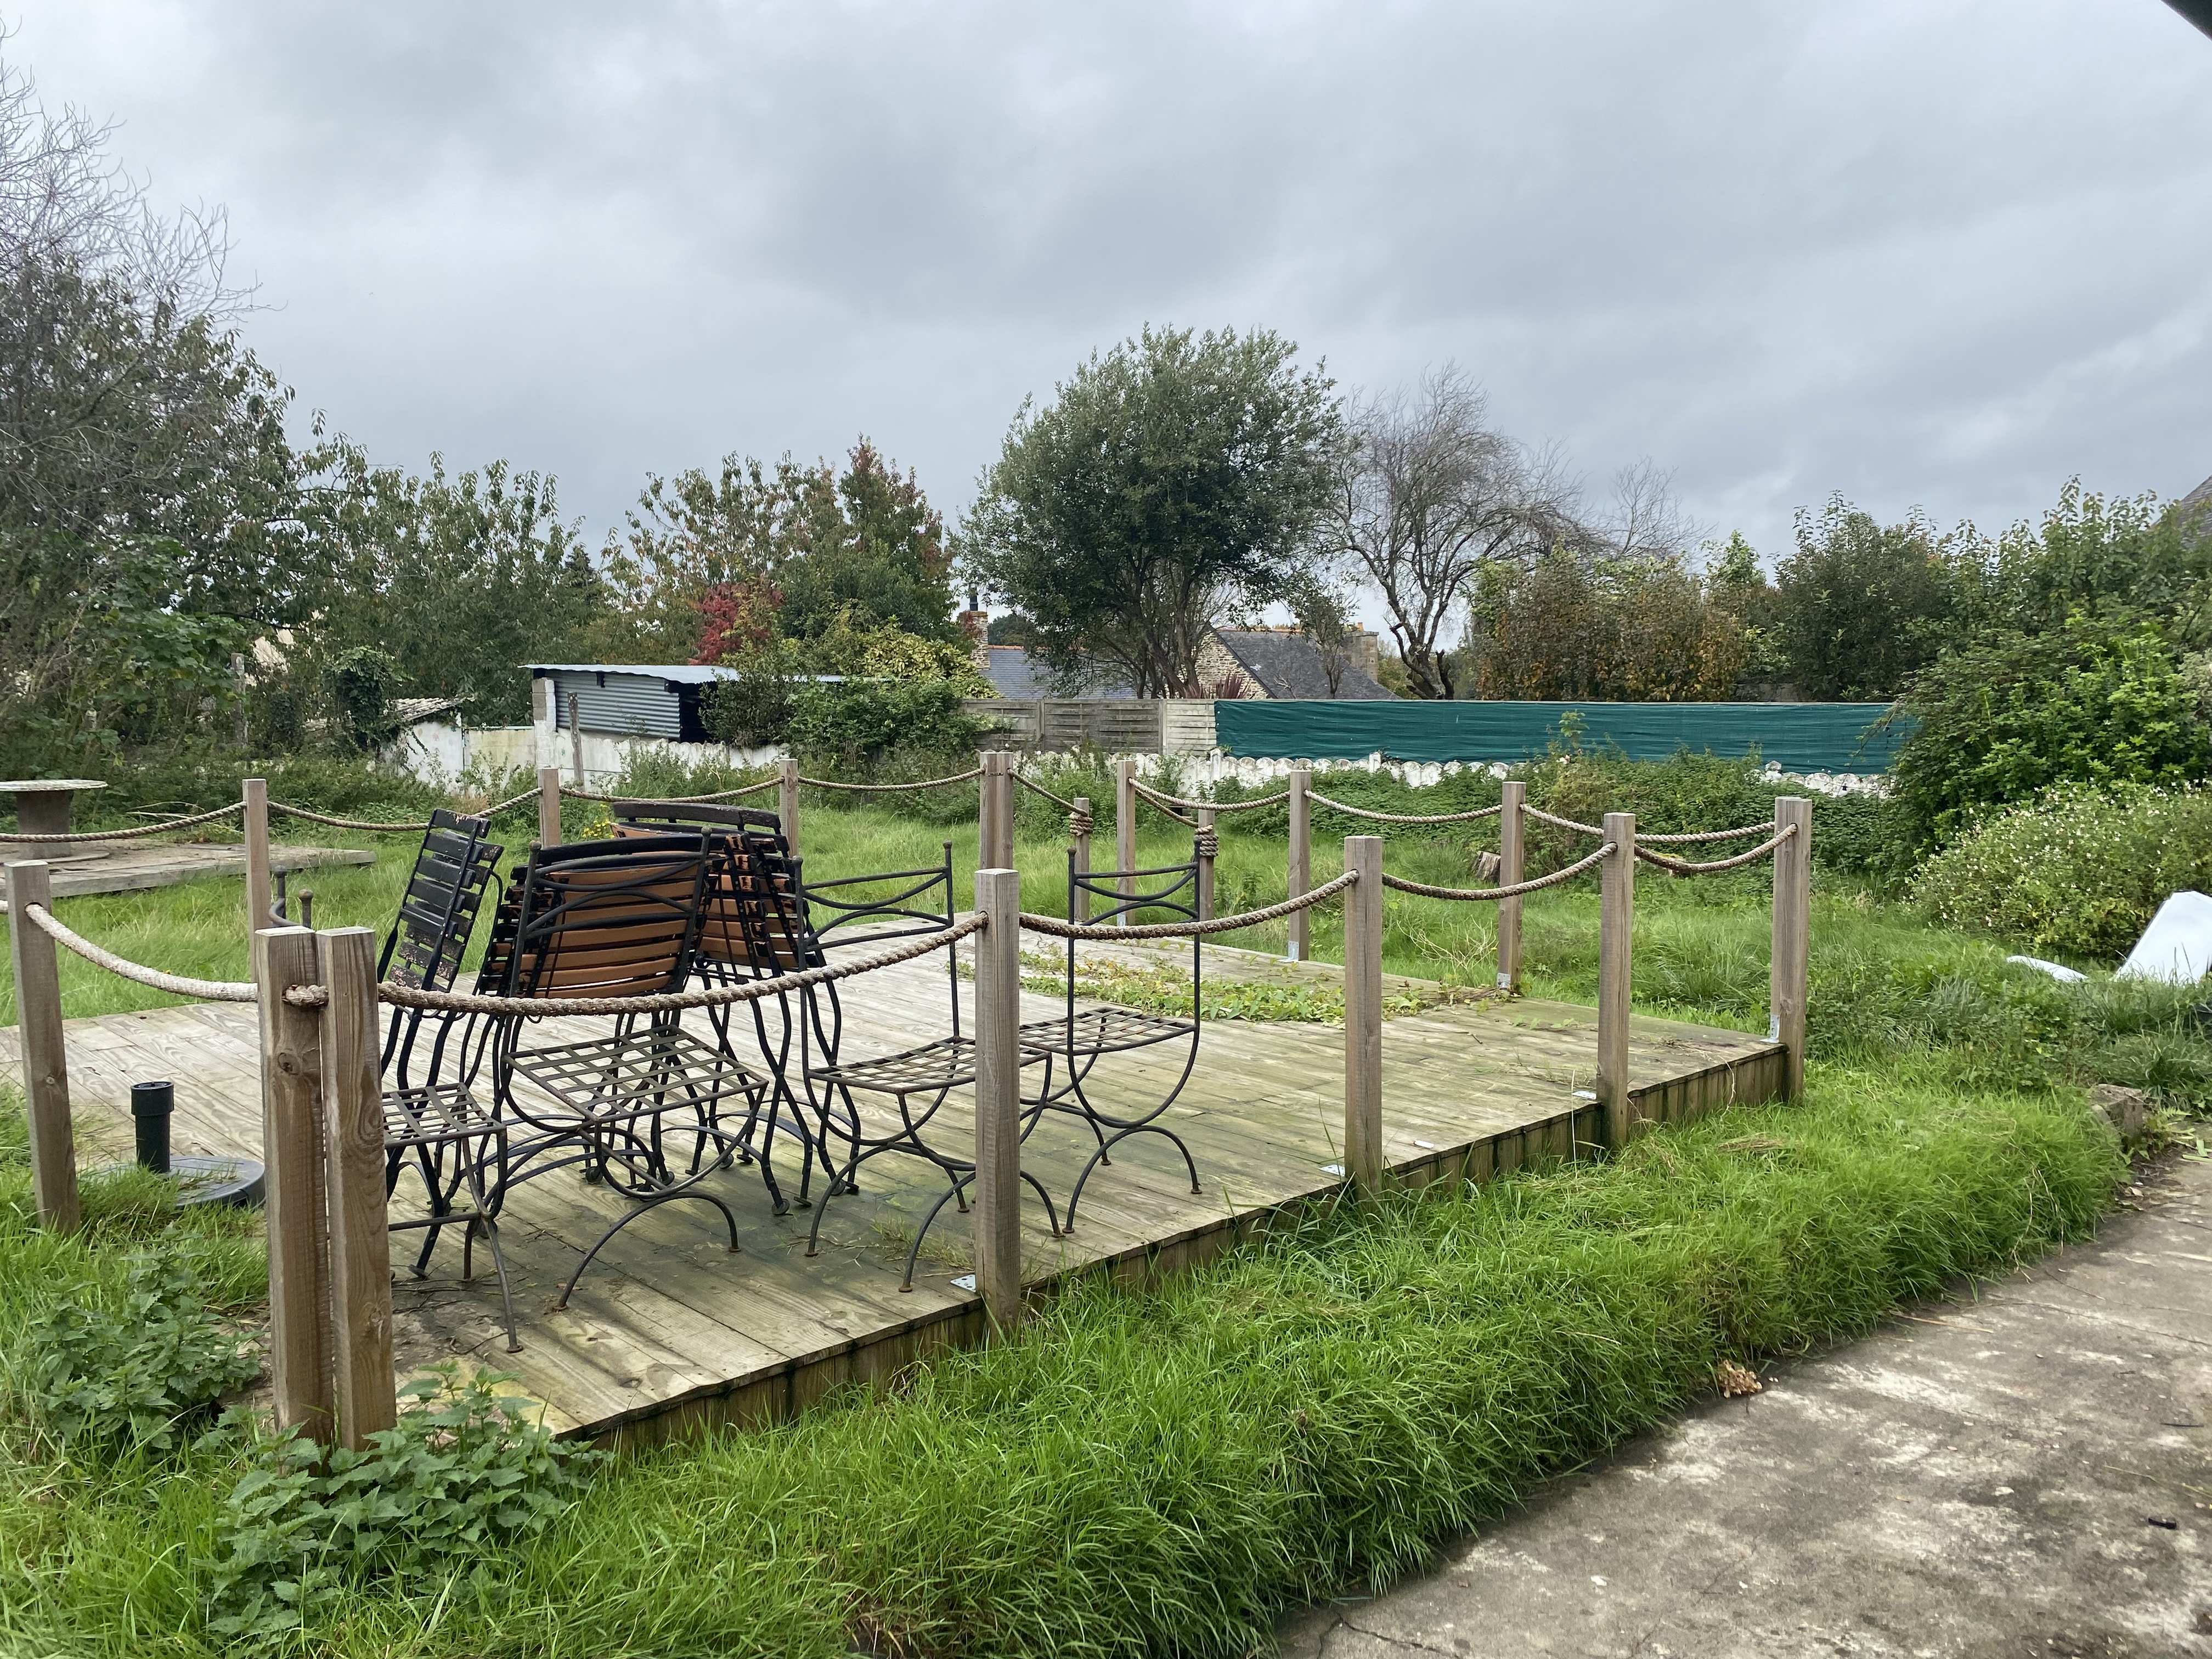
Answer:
x=1167 y=1471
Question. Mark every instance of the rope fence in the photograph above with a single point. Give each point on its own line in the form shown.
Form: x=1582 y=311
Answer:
x=1402 y=817
x=1174 y=802
x=129 y=835
x=1061 y=929
x=207 y=990
x=673 y=800
x=1684 y=867
x=1542 y=817
x=891 y=789
x=1486 y=895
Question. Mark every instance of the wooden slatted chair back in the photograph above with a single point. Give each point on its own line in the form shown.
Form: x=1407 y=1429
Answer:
x=430 y=935
x=601 y=919
x=744 y=928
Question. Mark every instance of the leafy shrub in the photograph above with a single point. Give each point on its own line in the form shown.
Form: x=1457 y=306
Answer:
x=853 y=726
x=2097 y=703
x=103 y=1382
x=1859 y=606
x=2080 y=873
x=457 y=1478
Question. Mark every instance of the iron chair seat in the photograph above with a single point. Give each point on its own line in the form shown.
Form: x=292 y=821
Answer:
x=739 y=941
x=1072 y=1044
x=613 y=920
x=854 y=913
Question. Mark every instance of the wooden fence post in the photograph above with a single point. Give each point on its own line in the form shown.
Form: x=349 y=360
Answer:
x=1512 y=862
x=995 y=812
x=1616 y=922
x=576 y=736
x=1125 y=830
x=1202 y=840
x=293 y=1153
x=1789 y=975
x=46 y=1059
x=1363 y=1013
x=261 y=890
x=549 y=807
x=360 y=1246
x=1081 y=838
x=786 y=801
x=1301 y=871
x=998 y=1096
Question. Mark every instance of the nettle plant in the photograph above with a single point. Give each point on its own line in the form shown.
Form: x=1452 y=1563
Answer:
x=105 y=1381
x=464 y=1474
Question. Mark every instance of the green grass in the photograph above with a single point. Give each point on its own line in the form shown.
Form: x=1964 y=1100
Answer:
x=1167 y=1470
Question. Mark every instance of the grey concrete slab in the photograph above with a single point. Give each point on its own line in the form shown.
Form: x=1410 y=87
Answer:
x=2019 y=1474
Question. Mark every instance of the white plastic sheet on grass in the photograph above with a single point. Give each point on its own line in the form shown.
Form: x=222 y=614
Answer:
x=2176 y=947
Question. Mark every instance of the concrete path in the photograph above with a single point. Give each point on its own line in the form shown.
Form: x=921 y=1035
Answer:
x=2021 y=1475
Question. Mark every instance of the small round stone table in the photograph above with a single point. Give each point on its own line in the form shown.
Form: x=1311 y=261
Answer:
x=42 y=808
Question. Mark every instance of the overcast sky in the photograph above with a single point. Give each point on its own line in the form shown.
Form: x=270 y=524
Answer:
x=1934 y=251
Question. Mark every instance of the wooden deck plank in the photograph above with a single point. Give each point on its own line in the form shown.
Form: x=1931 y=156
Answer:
x=668 y=1333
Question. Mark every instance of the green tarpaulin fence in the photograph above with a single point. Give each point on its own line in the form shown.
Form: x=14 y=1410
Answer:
x=1804 y=737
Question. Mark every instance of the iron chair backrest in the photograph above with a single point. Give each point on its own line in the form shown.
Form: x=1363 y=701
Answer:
x=600 y=918
x=430 y=935
x=1174 y=889
x=850 y=911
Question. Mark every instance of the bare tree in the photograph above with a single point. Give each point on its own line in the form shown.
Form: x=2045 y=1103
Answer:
x=1431 y=492
x=1647 y=522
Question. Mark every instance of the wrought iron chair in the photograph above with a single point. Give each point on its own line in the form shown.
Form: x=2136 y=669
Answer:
x=1072 y=1044
x=852 y=913
x=437 y=1127
x=610 y=921
x=743 y=937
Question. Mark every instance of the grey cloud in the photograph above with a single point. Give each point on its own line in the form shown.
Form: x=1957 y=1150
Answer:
x=1944 y=251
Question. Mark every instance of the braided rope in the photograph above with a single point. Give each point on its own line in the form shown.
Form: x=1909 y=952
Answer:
x=1205 y=844
x=1160 y=803
x=349 y=823
x=1163 y=800
x=1404 y=817
x=1060 y=929
x=1485 y=894
x=208 y=990
x=129 y=835
x=1080 y=823
x=407 y=996
x=1563 y=823
x=891 y=789
x=497 y=807
x=678 y=800
x=1065 y=804
x=1684 y=867
x=1705 y=835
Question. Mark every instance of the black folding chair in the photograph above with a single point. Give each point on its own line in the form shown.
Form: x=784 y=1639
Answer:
x=433 y=1124
x=853 y=913
x=1071 y=1045
x=609 y=921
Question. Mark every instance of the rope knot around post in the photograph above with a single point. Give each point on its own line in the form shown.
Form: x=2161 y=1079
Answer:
x=1079 y=824
x=1207 y=844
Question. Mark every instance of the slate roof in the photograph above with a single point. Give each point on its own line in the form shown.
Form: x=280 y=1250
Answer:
x=1013 y=674
x=1289 y=665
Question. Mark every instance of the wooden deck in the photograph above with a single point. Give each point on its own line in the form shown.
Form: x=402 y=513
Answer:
x=126 y=867
x=669 y=1332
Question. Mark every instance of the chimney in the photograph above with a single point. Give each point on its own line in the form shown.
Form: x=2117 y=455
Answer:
x=1366 y=650
x=976 y=622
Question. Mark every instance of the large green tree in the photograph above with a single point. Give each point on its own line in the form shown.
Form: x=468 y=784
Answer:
x=1169 y=480
x=1861 y=606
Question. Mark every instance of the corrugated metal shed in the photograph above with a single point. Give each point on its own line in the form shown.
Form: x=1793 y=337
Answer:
x=645 y=700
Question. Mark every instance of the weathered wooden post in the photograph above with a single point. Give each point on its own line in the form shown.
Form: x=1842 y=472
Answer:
x=1616 y=922
x=1512 y=862
x=1301 y=869
x=1125 y=830
x=786 y=801
x=46 y=1061
x=1789 y=976
x=293 y=1153
x=1363 y=1013
x=1080 y=836
x=261 y=890
x=549 y=807
x=995 y=812
x=353 y=1130
x=576 y=736
x=997 y=1209
x=1205 y=844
